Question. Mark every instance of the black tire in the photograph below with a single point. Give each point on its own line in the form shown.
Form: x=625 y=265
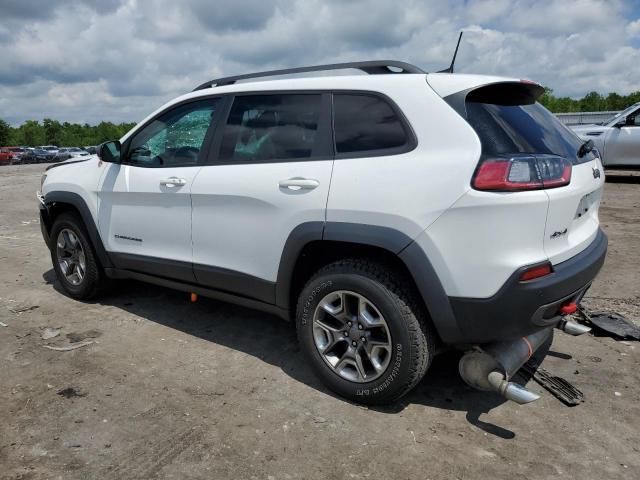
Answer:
x=93 y=275
x=412 y=338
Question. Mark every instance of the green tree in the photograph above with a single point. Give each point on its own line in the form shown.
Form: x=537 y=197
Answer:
x=31 y=133
x=53 y=133
x=5 y=133
x=591 y=102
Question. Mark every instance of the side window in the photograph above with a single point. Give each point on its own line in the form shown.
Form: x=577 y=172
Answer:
x=173 y=139
x=278 y=127
x=366 y=123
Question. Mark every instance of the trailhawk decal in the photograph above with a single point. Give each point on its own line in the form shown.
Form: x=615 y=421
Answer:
x=125 y=237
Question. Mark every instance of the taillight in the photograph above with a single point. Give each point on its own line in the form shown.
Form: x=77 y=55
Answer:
x=522 y=173
x=536 y=272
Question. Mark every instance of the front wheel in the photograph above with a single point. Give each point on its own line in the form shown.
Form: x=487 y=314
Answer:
x=363 y=331
x=74 y=260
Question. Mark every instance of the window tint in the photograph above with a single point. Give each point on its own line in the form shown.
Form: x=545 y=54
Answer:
x=173 y=139
x=526 y=128
x=365 y=122
x=272 y=127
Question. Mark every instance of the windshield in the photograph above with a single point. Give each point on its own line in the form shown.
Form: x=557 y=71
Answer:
x=623 y=113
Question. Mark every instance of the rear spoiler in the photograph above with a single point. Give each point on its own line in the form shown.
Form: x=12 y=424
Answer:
x=524 y=92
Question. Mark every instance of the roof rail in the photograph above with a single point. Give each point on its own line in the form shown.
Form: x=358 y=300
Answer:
x=371 y=67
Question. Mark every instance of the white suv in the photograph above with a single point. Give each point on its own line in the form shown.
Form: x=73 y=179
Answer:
x=391 y=215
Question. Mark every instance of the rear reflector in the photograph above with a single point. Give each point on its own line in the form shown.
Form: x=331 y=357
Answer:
x=536 y=272
x=569 y=308
x=522 y=173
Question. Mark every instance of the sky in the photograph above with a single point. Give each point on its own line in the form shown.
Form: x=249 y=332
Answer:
x=118 y=60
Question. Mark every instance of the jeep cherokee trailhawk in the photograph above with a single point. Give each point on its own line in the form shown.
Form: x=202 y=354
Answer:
x=391 y=215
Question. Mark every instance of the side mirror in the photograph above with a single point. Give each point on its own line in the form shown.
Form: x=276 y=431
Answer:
x=110 y=152
x=621 y=122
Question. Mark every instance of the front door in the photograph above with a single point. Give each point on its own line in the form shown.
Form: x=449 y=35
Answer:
x=622 y=145
x=271 y=174
x=144 y=214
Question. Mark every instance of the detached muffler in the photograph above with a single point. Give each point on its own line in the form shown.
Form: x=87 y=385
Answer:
x=490 y=366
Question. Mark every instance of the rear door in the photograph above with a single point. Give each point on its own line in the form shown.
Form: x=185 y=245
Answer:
x=510 y=125
x=270 y=173
x=572 y=219
x=144 y=213
x=622 y=144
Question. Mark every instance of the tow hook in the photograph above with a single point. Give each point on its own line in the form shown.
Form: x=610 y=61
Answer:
x=570 y=326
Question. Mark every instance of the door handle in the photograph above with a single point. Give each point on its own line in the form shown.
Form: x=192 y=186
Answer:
x=299 y=183
x=173 y=182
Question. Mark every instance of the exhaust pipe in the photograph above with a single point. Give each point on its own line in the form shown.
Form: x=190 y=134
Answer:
x=572 y=328
x=490 y=366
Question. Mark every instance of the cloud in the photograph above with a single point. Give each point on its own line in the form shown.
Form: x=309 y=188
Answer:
x=92 y=60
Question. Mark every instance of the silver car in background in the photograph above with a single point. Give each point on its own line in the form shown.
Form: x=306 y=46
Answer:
x=617 y=139
x=66 y=153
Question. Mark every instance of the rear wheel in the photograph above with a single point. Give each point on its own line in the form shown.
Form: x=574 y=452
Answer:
x=364 y=331
x=73 y=258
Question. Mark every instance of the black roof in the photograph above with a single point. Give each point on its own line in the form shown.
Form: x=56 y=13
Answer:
x=372 y=67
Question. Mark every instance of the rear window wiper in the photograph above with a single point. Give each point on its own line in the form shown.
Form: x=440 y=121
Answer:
x=585 y=148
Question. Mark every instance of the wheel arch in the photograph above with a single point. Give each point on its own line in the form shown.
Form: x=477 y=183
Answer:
x=58 y=202
x=314 y=244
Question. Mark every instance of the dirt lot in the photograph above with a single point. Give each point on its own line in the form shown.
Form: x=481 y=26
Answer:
x=171 y=389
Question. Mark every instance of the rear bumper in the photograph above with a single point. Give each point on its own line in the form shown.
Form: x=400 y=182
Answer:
x=521 y=308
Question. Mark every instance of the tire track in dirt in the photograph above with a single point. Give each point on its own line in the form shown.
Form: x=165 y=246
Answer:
x=146 y=461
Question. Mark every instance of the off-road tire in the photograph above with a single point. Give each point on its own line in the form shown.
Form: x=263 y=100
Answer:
x=93 y=279
x=412 y=337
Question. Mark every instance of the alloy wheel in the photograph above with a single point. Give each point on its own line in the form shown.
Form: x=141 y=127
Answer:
x=352 y=336
x=71 y=257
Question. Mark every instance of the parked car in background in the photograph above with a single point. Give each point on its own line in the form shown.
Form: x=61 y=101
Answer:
x=617 y=139
x=11 y=155
x=37 y=155
x=17 y=154
x=66 y=153
x=92 y=149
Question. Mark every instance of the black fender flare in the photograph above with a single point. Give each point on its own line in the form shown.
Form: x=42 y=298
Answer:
x=76 y=201
x=408 y=252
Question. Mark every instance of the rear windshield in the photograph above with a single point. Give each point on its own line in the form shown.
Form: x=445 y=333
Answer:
x=508 y=125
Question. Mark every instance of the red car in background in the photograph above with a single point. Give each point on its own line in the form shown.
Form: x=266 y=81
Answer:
x=11 y=155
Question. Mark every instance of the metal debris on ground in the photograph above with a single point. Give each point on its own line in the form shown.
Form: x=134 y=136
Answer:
x=611 y=324
x=557 y=386
x=73 y=346
x=2 y=324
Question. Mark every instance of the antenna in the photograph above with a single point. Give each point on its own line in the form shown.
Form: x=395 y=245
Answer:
x=453 y=60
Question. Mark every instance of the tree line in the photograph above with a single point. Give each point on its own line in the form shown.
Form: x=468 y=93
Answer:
x=591 y=102
x=51 y=132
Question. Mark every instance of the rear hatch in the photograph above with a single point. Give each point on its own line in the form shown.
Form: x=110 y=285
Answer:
x=512 y=125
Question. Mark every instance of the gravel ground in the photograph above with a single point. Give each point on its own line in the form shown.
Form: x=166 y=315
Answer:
x=170 y=389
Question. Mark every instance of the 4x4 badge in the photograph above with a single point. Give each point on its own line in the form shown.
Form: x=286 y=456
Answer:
x=596 y=173
x=558 y=234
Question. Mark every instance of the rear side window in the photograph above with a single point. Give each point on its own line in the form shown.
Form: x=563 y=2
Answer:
x=510 y=124
x=366 y=123
x=265 y=128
